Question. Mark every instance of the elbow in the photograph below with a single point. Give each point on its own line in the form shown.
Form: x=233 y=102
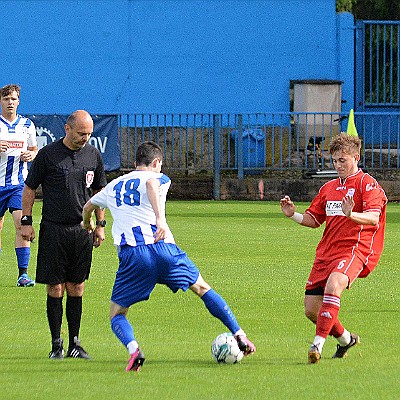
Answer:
x=374 y=220
x=310 y=222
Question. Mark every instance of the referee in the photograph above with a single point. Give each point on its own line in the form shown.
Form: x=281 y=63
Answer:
x=70 y=170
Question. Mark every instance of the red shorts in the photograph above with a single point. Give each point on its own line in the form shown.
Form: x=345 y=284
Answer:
x=350 y=265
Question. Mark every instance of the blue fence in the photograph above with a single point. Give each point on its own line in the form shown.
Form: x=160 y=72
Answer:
x=256 y=143
x=378 y=62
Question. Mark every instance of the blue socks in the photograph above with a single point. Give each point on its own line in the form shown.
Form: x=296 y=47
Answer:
x=122 y=329
x=23 y=255
x=219 y=309
x=215 y=304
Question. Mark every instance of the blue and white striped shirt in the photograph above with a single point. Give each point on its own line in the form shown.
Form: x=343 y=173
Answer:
x=134 y=221
x=20 y=134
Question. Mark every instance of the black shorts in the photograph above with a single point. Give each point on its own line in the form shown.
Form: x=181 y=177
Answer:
x=64 y=254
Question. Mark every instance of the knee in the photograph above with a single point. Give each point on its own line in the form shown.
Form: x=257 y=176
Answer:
x=75 y=289
x=117 y=311
x=200 y=290
x=337 y=282
x=56 y=291
x=201 y=287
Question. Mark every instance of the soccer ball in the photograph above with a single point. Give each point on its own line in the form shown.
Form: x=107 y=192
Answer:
x=225 y=349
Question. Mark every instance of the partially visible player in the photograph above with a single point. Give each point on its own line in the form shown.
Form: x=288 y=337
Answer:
x=17 y=147
x=147 y=251
x=353 y=206
x=1 y=230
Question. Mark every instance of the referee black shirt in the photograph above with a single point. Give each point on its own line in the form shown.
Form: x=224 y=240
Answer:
x=68 y=178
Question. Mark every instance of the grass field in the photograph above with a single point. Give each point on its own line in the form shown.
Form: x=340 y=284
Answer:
x=259 y=262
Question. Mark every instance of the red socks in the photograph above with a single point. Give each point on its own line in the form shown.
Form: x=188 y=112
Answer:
x=337 y=329
x=327 y=322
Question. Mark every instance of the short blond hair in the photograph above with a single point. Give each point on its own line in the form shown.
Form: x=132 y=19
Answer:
x=345 y=143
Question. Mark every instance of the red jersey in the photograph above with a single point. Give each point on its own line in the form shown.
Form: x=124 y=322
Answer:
x=342 y=235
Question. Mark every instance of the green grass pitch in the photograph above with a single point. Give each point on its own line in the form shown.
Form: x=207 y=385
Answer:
x=258 y=261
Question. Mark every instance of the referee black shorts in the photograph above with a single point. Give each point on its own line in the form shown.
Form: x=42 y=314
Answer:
x=64 y=254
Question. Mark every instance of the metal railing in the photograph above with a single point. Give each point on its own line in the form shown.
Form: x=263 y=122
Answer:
x=257 y=142
x=381 y=62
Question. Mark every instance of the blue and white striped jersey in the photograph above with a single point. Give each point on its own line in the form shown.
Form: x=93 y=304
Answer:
x=20 y=134
x=134 y=221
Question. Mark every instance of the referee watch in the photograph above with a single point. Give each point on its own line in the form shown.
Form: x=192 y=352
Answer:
x=102 y=223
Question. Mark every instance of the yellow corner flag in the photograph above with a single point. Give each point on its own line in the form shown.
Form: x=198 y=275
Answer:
x=351 y=127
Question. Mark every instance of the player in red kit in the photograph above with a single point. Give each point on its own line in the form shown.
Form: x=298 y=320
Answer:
x=353 y=207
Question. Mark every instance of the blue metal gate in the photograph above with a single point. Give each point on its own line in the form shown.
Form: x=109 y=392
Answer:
x=377 y=75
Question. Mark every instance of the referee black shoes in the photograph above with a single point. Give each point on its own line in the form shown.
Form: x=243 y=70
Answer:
x=77 y=351
x=57 y=351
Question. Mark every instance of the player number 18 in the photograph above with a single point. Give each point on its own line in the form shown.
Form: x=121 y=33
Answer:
x=130 y=194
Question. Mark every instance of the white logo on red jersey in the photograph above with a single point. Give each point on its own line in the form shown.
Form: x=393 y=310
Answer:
x=370 y=186
x=14 y=144
x=333 y=208
x=351 y=192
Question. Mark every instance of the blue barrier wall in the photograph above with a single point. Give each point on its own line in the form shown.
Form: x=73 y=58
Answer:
x=170 y=56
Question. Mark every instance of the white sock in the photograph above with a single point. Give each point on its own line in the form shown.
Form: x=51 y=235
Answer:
x=319 y=342
x=132 y=346
x=345 y=339
x=240 y=332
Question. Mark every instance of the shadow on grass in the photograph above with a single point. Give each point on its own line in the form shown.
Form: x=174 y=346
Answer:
x=36 y=362
x=269 y=215
x=378 y=311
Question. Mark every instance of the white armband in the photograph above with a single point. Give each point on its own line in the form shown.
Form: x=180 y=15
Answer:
x=297 y=217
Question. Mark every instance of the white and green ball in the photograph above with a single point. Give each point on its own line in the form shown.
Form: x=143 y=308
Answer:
x=225 y=349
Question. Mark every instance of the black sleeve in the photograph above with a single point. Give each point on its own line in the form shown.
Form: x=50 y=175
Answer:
x=36 y=170
x=100 y=179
